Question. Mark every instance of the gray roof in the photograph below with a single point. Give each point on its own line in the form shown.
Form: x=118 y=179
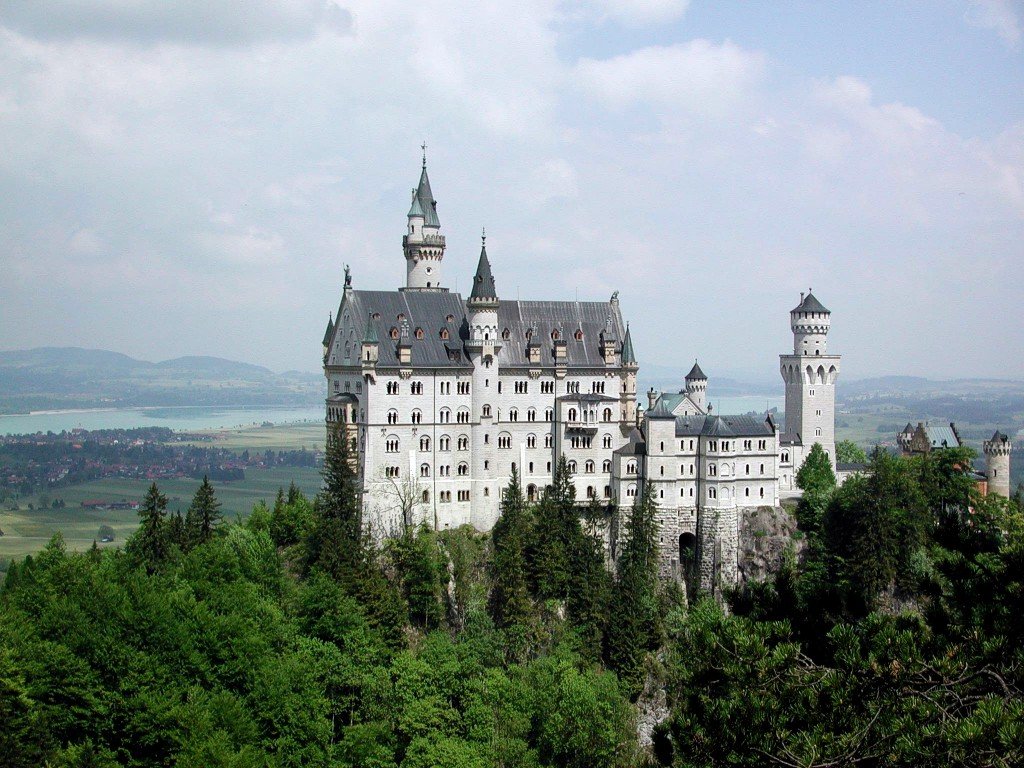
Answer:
x=588 y=397
x=376 y=312
x=998 y=437
x=483 y=280
x=628 y=355
x=426 y=201
x=696 y=373
x=811 y=304
x=724 y=426
x=789 y=438
x=942 y=436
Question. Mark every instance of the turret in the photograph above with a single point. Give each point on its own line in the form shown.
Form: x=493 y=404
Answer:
x=328 y=335
x=997 y=463
x=370 y=351
x=697 y=387
x=423 y=242
x=810 y=321
x=630 y=366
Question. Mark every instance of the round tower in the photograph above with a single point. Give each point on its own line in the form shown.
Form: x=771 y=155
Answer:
x=997 y=463
x=423 y=242
x=483 y=346
x=697 y=387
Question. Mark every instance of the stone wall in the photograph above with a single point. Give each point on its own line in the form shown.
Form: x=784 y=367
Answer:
x=765 y=535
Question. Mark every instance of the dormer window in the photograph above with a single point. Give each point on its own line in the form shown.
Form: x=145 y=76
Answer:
x=419 y=333
x=506 y=334
x=444 y=333
x=400 y=317
x=554 y=335
x=393 y=333
x=578 y=335
x=450 y=319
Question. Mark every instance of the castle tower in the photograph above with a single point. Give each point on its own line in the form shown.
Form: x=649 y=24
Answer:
x=627 y=397
x=997 y=463
x=483 y=346
x=423 y=242
x=697 y=387
x=810 y=374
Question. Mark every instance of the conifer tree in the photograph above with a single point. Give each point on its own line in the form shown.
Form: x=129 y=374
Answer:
x=336 y=542
x=152 y=537
x=633 y=626
x=556 y=530
x=203 y=514
x=510 y=597
x=817 y=480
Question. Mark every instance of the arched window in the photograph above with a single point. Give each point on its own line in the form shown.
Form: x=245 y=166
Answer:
x=513 y=414
x=607 y=414
x=548 y=441
x=505 y=334
x=578 y=335
x=549 y=414
x=504 y=440
x=393 y=333
x=392 y=416
x=591 y=493
x=425 y=443
x=712 y=470
x=606 y=441
x=444 y=443
x=463 y=469
x=607 y=491
x=554 y=335
x=426 y=497
x=531 y=492
x=572 y=467
x=391 y=444
x=606 y=465
x=631 y=468
x=712 y=493
x=589 y=467
x=424 y=470
x=631 y=490
x=486 y=410
x=445 y=416
x=531 y=441
x=463 y=415
x=419 y=333
x=531 y=414
x=444 y=334
x=463 y=443
x=417 y=417
x=573 y=414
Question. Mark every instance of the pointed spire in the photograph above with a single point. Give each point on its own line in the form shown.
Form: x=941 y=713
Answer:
x=425 y=197
x=483 y=280
x=330 y=330
x=370 y=337
x=696 y=374
x=628 y=355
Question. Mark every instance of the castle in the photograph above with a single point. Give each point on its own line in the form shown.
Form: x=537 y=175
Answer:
x=442 y=397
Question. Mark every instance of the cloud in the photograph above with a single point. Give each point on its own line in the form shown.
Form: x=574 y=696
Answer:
x=641 y=12
x=192 y=21
x=697 y=76
x=1001 y=16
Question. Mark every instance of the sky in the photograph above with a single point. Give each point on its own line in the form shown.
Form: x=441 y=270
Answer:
x=191 y=177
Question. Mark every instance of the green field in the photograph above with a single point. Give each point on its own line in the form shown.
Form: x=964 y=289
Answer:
x=291 y=437
x=26 y=532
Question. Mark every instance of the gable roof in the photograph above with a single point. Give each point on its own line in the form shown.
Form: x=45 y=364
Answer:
x=742 y=425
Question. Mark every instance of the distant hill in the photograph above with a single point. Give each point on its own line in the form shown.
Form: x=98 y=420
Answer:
x=71 y=377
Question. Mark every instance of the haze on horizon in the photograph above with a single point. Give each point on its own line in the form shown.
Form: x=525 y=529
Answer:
x=190 y=178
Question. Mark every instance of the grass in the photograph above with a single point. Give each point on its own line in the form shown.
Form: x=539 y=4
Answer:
x=26 y=532
x=290 y=437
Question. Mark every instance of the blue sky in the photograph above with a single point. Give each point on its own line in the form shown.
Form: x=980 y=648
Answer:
x=190 y=178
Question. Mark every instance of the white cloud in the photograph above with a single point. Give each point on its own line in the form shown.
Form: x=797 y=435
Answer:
x=698 y=76
x=1001 y=16
x=641 y=12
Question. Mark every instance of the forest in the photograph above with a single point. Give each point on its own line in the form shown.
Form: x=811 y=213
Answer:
x=292 y=638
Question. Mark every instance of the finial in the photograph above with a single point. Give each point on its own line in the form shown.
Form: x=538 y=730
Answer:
x=348 y=277
x=423 y=146
x=810 y=290
x=483 y=235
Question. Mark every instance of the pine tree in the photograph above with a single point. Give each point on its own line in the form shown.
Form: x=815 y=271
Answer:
x=336 y=542
x=557 y=528
x=817 y=480
x=203 y=515
x=510 y=597
x=152 y=537
x=633 y=626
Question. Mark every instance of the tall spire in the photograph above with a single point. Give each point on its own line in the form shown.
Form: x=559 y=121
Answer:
x=628 y=355
x=483 y=280
x=425 y=197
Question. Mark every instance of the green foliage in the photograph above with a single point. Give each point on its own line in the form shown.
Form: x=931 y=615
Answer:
x=152 y=543
x=634 y=624
x=510 y=603
x=556 y=527
x=203 y=515
x=422 y=575
x=335 y=542
x=848 y=452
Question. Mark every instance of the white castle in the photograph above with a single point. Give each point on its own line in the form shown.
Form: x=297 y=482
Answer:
x=441 y=397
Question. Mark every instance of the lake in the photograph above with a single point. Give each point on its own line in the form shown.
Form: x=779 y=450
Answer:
x=186 y=419
x=199 y=418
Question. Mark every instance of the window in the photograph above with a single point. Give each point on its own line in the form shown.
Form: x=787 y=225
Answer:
x=578 y=335
x=463 y=469
x=762 y=469
x=417 y=416
x=445 y=416
x=631 y=468
x=513 y=414
x=549 y=414
x=392 y=416
x=573 y=413
x=506 y=334
x=747 y=469
x=416 y=388
x=712 y=470
x=631 y=491
x=531 y=468
x=391 y=444
x=392 y=387
x=761 y=492
x=463 y=388
x=572 y=387
x=712 y=493
x=424 y=470
x=597 y=387
x=444 y=334
x=463 y=443
x=393 y=333
x=785 y=456
x=424 y=443
x=522 y=387
x=463 y=495
x=747 y=444
x=486 y=410
x=419 y=333
x=463 y=416
x=504 y=440
x=817 y=412
x=444 y=470
x=444 y=443
x=531 y=414
x=554 y=335
x=426 y=497
x=607 y=414
x=391 y=471
x=606 y=441
x=572 y=467
x=589 y=467
x=547 y=441
x=606 y=465
x=547 y=387
x=531 y=441
x=446 y=497
x=762 y=445
x=607 y=491
x=817 y=432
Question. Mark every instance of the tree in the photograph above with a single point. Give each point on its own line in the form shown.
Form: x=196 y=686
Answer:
x=510 y=604
x=416 y=561
x=556 y=528
x=151 y=540
x=633 y=621
x=817 y=480
x=335 y=541
x=848 y=452
x=203 y=514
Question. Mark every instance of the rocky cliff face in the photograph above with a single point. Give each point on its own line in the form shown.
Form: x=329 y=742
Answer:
x=765 y=535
